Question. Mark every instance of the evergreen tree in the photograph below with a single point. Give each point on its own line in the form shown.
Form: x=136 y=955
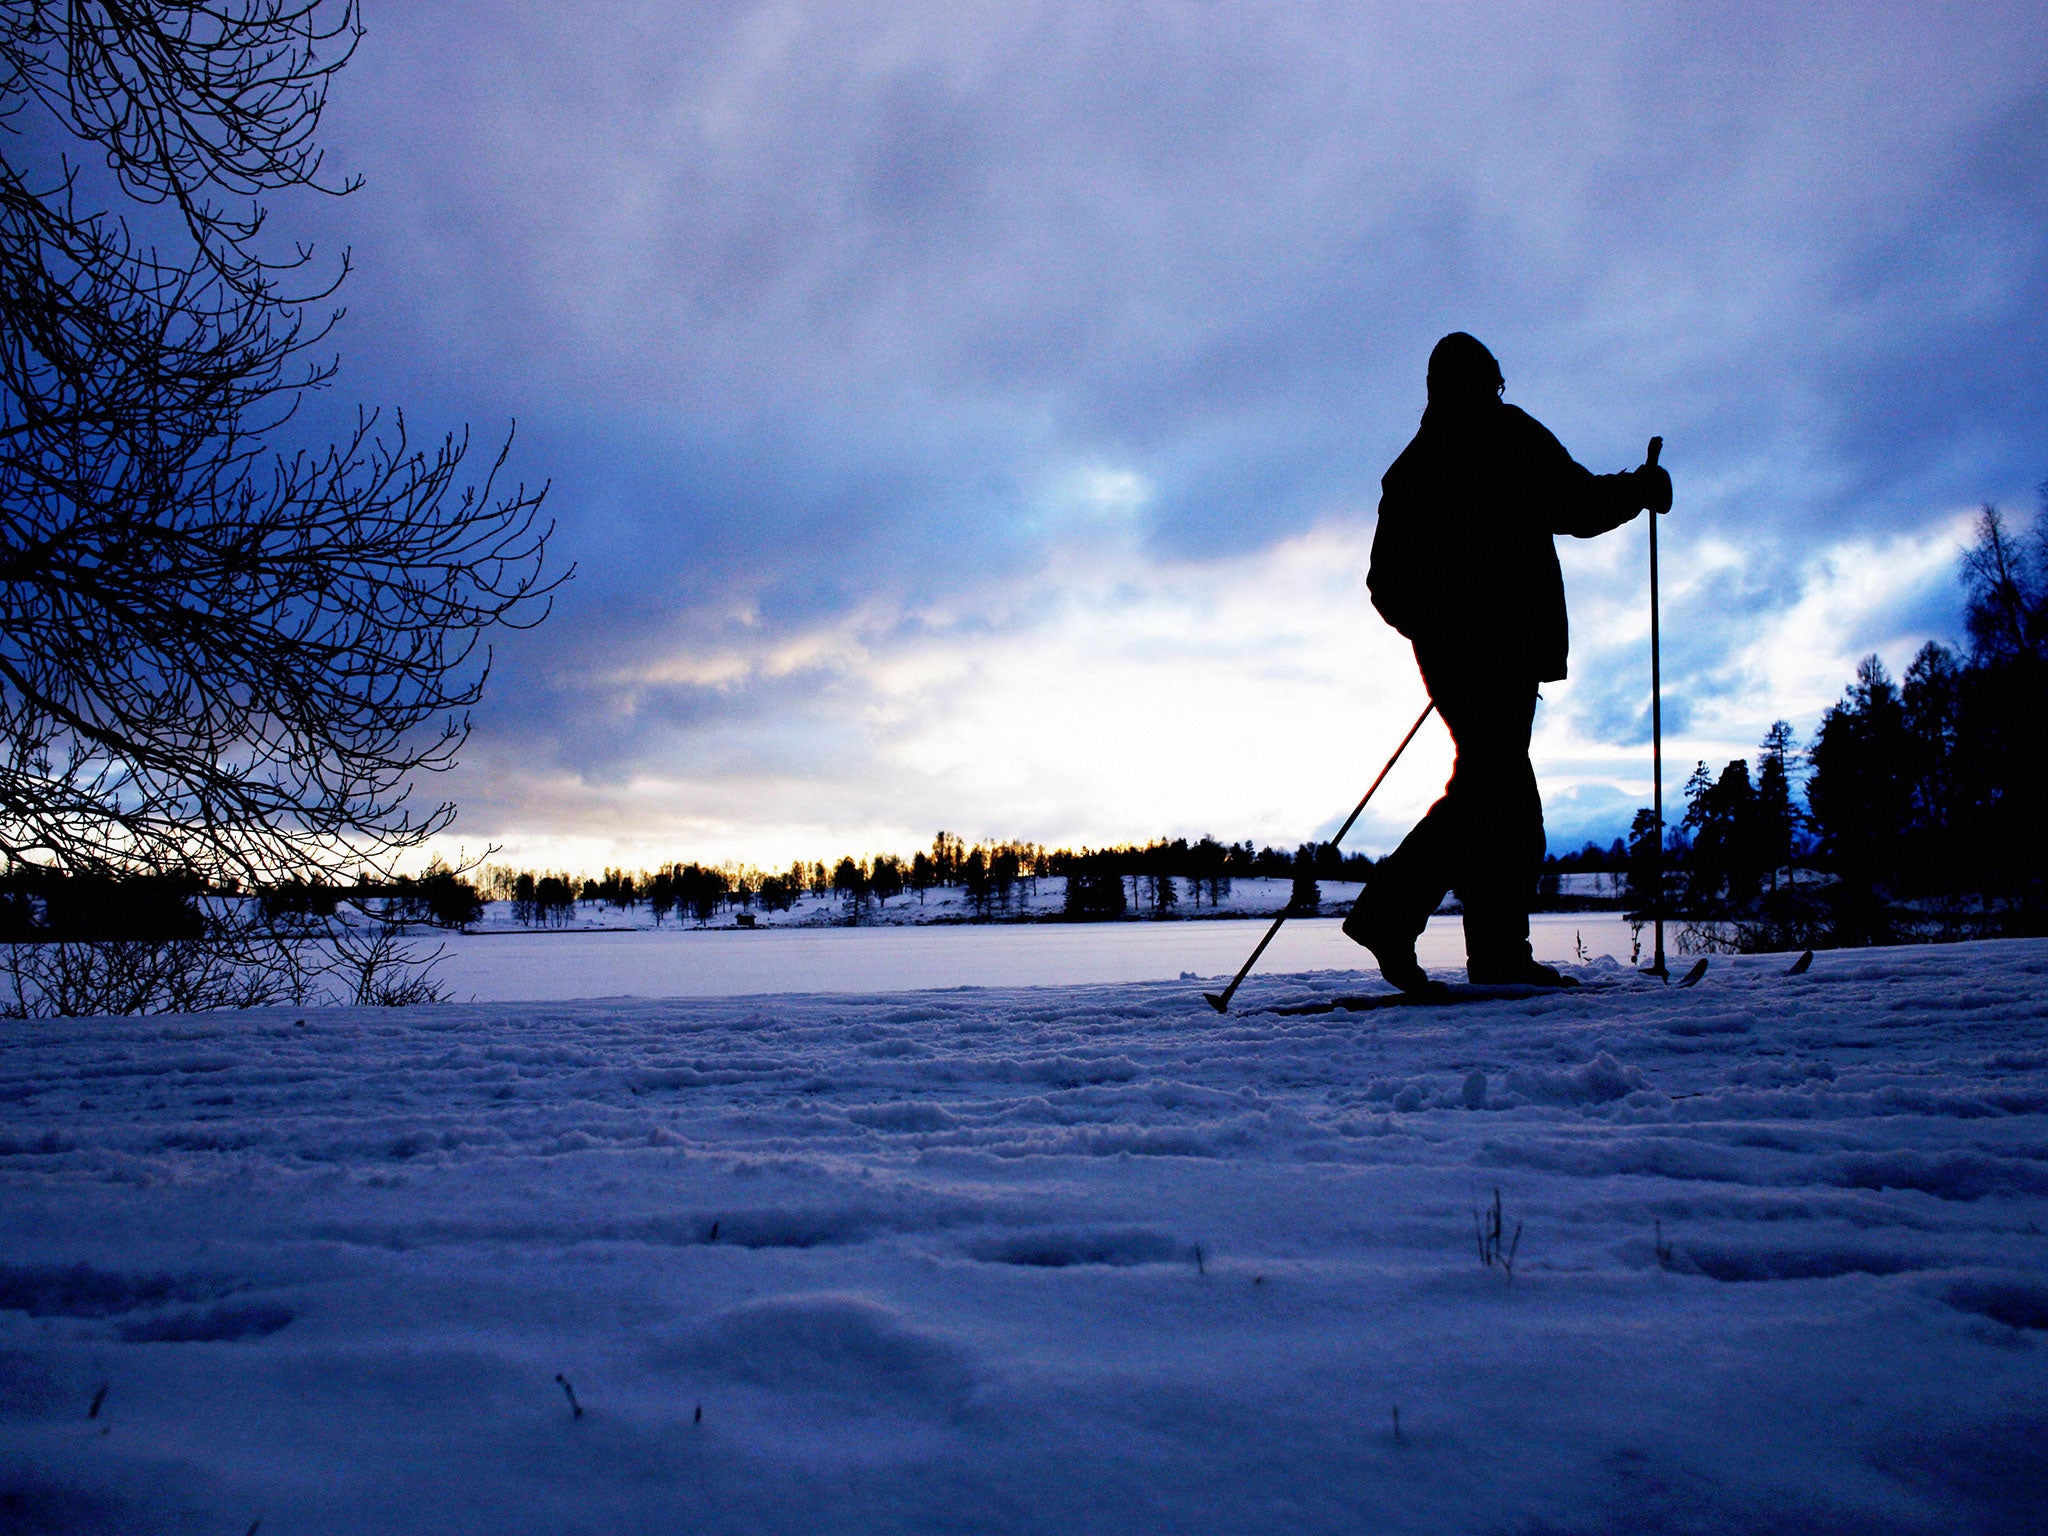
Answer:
x=1726 y=858
x=1862 y=793
x=1932 y=701
x=1646 y=865
x=2002 y=759
x=1003 y=870
x=1205 y=867
x=1777 y=818
x=948 y=857
x=974 y=877
x=1306 y=897
x=1095 y=888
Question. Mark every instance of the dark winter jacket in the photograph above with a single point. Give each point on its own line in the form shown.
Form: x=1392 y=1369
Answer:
x=1462 y=563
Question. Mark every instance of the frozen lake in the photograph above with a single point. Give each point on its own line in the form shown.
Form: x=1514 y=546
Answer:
x=548 y=966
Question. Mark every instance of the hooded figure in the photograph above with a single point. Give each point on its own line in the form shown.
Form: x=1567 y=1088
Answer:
x=1463 y=565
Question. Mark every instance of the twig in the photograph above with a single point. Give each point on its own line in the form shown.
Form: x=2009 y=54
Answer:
x=1496 y=1249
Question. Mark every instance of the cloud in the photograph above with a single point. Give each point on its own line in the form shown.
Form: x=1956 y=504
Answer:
x=1121 y=696
x=906 y=372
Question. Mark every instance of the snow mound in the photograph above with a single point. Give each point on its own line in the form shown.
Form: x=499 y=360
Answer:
x=903 y=1117
x=1819 y=1261
x=80 y=1290
x=1945 y=1175
x=832 y=1343
x=789 y=1228
x=2018 y=1301
x=1599 y=1080
x=209 y=1325
x=1056 y=1249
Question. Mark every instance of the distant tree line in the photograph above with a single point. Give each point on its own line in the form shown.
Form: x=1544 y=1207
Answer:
x=996 y=878
x=1925 y=808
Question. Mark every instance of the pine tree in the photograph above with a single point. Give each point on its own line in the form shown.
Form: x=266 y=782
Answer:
x=974 y=876
x=1777 y=817
x=1095 y=888
x=1306 y=897
x=1003 y=867
x=1164 y=897
x=1645 y=863
x=1861 y=793
x=1933 y=702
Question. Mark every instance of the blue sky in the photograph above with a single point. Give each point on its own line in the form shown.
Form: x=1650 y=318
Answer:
x=971 y=416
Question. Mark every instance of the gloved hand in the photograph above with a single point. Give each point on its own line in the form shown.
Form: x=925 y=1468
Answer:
x=1653 y=488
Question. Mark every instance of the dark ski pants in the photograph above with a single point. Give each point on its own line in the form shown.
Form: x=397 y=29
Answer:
x=1484 y=838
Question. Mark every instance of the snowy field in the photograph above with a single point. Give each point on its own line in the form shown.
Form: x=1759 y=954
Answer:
x=1079 y=1259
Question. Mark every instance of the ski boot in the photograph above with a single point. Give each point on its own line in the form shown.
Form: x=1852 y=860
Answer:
x=1394 y=952
x=1516 y=971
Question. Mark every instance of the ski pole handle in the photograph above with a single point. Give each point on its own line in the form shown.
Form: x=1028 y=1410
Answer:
x=1650 y=458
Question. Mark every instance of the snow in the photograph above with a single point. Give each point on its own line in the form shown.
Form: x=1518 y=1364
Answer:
x=1067 y=1259
x=1603 y=885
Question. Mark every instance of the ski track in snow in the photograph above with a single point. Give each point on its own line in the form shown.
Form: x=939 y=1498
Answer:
x=1067 y=1259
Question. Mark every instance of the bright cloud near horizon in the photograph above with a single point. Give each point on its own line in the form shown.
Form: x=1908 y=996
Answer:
x=971 y=416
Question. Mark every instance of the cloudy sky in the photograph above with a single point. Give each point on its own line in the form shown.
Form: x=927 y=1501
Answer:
x=971 y=415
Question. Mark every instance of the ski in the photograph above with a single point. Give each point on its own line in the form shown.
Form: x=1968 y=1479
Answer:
x=1455 y=994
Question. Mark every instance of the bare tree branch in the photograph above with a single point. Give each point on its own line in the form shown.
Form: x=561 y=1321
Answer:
x=219 y=656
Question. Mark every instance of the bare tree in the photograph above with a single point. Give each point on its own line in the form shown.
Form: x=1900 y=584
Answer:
x=223 y=655
x=216 y=656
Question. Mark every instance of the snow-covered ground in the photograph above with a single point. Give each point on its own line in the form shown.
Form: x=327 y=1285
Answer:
x=1081 y=1259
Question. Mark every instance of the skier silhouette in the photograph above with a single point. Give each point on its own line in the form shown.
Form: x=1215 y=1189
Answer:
x=1464 y=567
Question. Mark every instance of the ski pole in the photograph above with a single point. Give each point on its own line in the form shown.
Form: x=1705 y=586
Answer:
x=1656 y=966
x=1220 y=1001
